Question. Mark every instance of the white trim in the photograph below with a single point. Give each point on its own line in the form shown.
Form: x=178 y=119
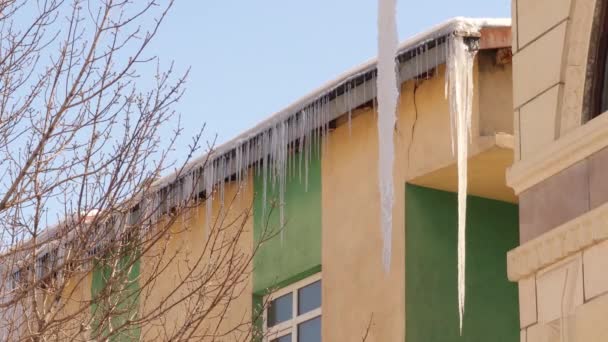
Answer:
x=560 y=154
x=290 y=326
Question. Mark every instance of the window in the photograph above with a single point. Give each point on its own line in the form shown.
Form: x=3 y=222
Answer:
x=294 y=312
x=599 y=99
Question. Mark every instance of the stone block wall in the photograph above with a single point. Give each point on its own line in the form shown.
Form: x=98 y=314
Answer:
x=539 y=35
x=551 y=69
x=567 y=301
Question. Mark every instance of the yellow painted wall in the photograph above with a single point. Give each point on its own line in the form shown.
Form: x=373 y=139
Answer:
x=551 y=43
x=181 y=250
x=182 y=246
x=355 y=287
x=77 y=300
x=426 y=116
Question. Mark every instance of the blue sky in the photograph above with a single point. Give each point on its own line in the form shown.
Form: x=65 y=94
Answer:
x=250 y=59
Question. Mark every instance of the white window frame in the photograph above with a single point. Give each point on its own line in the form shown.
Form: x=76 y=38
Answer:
x=290 y=326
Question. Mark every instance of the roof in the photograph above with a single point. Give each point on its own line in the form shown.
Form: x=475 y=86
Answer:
x=312 y=113
x=414 y=47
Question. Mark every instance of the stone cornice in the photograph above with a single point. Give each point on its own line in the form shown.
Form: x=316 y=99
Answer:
x=562 y=153
x=567 y=239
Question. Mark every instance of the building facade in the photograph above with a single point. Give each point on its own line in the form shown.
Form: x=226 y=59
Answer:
x=537 y=255
x=561 y=264
x=322 y=273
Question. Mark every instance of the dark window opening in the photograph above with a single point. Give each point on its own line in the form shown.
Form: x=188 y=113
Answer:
x=600 y=76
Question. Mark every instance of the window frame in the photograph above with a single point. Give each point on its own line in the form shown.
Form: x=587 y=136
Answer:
x=599 y=65
x=291 y=326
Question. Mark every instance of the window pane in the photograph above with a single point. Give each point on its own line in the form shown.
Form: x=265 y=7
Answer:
x=310 y=331
x=286 y=338
x=280 y=310
x=309 y=297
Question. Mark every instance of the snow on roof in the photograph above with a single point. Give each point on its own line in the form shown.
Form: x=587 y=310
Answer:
x=459 y=25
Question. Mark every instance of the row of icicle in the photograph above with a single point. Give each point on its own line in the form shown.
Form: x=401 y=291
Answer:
x=268 y=153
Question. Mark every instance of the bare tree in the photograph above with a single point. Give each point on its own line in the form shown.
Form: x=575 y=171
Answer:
x=82 y=139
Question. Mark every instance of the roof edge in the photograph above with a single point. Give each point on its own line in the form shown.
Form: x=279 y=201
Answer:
x=470 y=27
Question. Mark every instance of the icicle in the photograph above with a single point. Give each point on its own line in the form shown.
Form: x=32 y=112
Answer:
x=317 y=128
x=156 y=207
x=349 y=106
x=387 y=104
x=325 y=118
x=209 y=176
x=221 y=181
x=459 y=86
x=244 y=164
x=302 y=131
x=291 y=146
x=364 y=88
x=327 y=125
x=238 y=161
x=280 y=161
x=265 y=152
x=197 y=186
x=187 y=188
x=416 y=54
x=307 y=147
x=436 y=51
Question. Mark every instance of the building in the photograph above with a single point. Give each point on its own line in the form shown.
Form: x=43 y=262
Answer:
x=558 y=174
x=317 y=162
x=537 y=255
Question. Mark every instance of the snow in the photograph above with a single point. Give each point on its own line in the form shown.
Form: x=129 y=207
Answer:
x=459 y=90
x=388 y=94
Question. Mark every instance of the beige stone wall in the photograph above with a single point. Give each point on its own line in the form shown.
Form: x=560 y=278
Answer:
x=551 y=70
x=539 y=34
x=562 y=263
x=567 y=301
x=564 y=196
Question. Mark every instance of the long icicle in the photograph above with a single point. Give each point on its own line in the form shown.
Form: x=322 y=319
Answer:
x=387 y=105
x=459 y=90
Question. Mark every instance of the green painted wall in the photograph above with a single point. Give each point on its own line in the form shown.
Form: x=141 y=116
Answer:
x=298 y=253
x=127 y=301
x=491 y=311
